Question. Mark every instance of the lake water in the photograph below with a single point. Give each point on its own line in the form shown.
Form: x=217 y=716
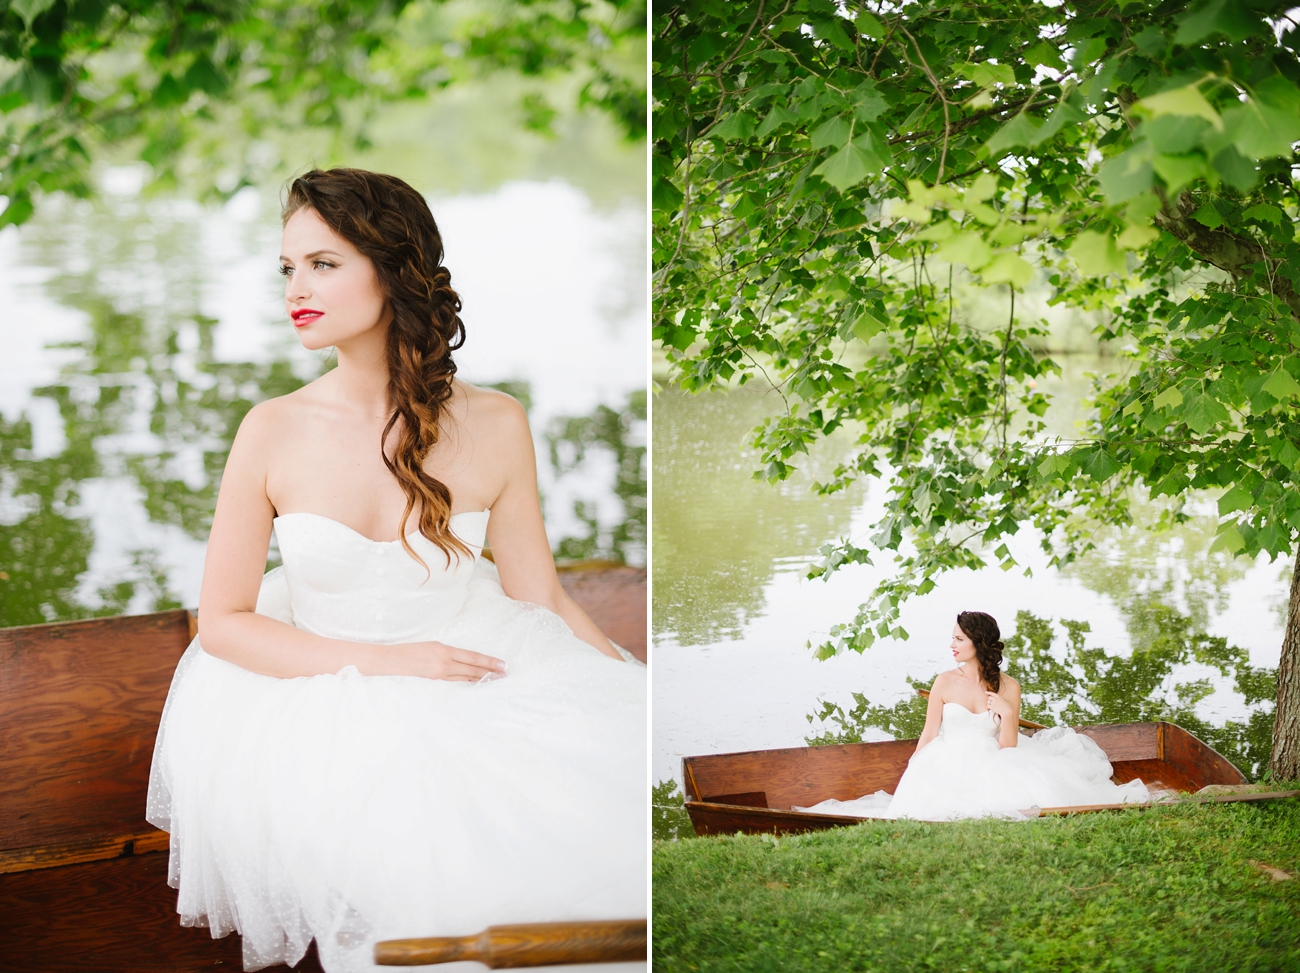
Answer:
x=136 y=332
x=733 y=610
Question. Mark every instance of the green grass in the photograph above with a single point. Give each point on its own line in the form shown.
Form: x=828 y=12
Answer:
x=1165 y=889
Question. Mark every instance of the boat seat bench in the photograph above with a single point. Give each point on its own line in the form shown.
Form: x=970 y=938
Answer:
x=83 y=877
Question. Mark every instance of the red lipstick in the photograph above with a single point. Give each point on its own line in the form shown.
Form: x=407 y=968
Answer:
x=304 y=316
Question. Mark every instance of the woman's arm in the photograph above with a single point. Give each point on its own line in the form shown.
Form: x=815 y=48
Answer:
x=933 y=713
x=230 y=628
x=1006 y=703
x=516 y=533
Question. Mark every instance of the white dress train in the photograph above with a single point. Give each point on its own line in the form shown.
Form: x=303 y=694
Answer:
x=350 y=808
x=963 y=773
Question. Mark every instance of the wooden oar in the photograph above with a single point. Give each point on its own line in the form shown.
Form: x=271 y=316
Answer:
x=1027 y=724
x=526 y=944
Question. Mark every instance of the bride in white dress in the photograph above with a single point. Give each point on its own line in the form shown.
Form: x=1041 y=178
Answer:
x=390 y=736
x=972 y=761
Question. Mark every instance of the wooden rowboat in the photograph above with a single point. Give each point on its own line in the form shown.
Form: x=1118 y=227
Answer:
x=83 y=877
x=754 y=792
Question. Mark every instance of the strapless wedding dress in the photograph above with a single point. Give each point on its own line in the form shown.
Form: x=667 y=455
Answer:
x=963 y=773
x=350 y=808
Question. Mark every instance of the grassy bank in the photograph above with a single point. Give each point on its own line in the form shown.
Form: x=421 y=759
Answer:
x=1167 y=889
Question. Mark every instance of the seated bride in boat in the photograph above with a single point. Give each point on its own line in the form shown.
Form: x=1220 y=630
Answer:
x=972 y=761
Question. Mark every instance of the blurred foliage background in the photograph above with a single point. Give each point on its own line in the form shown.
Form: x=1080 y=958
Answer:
x=219 y=95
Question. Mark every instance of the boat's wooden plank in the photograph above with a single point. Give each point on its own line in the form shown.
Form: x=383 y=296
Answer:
x=114 y=916
x=1126 y=741
x=79 y=709
x=1192 y=798
x=88 y=849
x=722 y=819
x=1197 y=760
x=802 y=775
x=615 y=599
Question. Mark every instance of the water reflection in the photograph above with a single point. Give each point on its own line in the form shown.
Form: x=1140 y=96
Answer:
x=110 y=463
x=719 y=534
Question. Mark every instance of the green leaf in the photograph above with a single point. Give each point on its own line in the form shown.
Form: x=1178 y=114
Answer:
x=1008 y=268
x=1229 y=539
x=29 y=10
x=1174 y=134
x=1043 y=53
x=1178 y=171
x=1136 y=236
x=833 y=131
x=984 y=186
x=1208 y=216
x=1281 y=385
x=1020 y=131
x=1201 y=412
x=1096 y=254
x=1265 y=213
x=1127 y=175
x=847 y=167
x=736 y=126
x=1235 y=169
x=17 y=211
x=869 y=25
x=988 y=74
x=966 y=248
x=867 y=326
x=1235 y=499
x=1186 y=100
x=1261 y=131
x=1098 y=464
x=1228 y=17
x=867 y=103
x=778 y=116
x=1169 y=398
x=832 y=29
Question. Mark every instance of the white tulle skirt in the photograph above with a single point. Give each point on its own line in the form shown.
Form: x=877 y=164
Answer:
x=967 y=775
x=350 y=808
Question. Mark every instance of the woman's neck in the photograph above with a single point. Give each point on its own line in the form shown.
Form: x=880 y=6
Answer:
x=361 y=377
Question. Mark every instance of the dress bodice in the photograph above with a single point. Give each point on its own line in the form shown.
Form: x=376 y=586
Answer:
x=343 y=585
x=960 y=723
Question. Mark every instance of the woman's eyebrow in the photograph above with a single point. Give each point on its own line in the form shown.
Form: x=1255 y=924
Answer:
x=313 y=255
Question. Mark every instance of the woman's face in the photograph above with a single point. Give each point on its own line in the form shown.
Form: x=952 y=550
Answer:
x=963 y=649
x=331 y=290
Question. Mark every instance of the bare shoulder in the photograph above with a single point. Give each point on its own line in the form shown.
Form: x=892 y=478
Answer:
x=267 y=421
x=1009 y=684
x=944 y=679
x=488 y=412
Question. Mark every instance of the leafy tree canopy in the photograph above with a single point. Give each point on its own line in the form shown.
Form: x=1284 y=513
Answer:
x=77 y=75
x=825 y=174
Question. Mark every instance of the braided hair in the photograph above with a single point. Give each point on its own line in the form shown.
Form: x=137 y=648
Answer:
x=390 y=223
x=982 y=630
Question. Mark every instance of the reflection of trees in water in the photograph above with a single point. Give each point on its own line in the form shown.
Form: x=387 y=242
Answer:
x=718 y=531
x=126 y=371
x=144 y=398
x=620 y=434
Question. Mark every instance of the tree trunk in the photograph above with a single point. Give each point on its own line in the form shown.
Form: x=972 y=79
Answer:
x=1285 y=762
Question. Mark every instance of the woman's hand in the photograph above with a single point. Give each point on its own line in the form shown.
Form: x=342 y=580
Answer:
x=434 y=660
x=1002 y=707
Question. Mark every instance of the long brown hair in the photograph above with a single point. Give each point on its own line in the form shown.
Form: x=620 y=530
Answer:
x=982 y=630
x=390 y=223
